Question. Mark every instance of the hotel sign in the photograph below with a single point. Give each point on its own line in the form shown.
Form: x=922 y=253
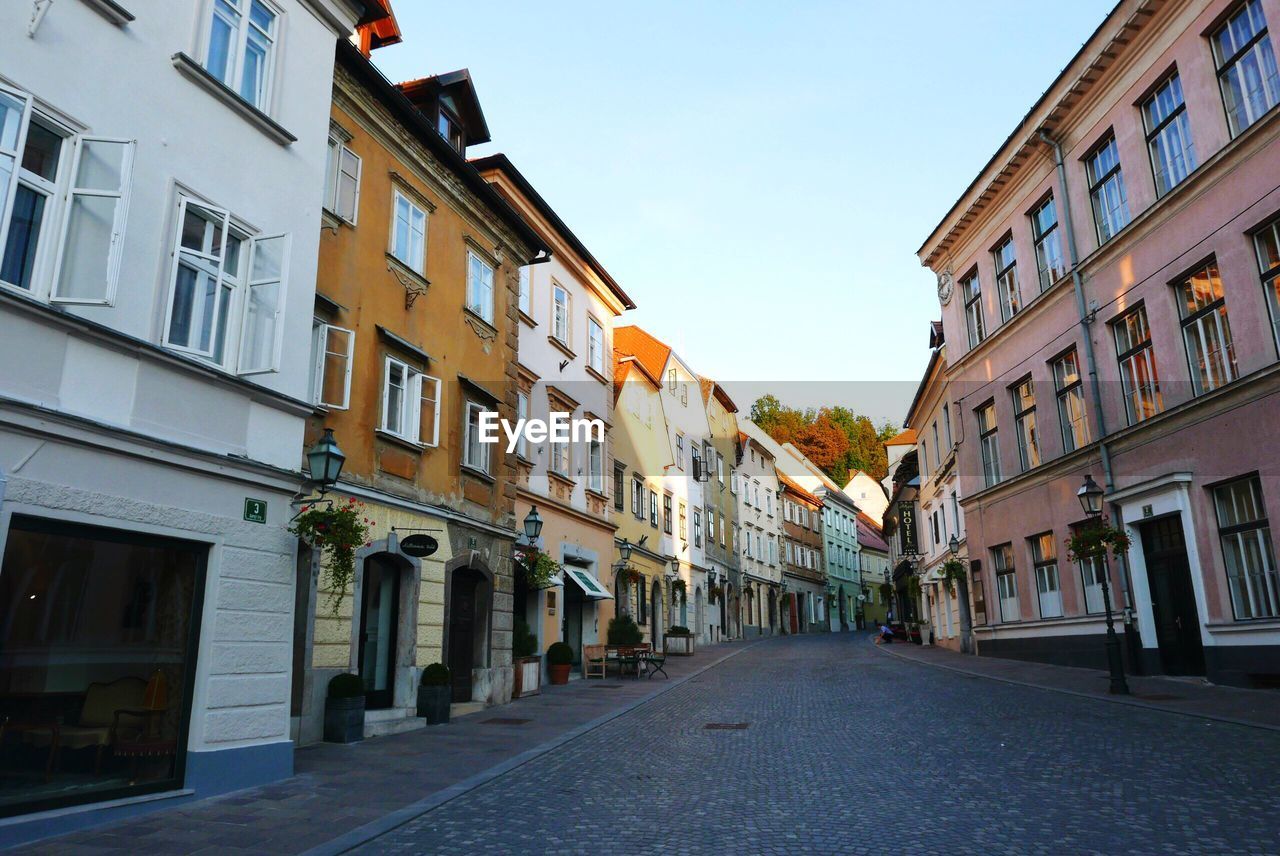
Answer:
x=907 y=543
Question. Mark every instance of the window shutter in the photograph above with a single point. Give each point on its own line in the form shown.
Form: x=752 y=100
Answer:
x=12 y=102
x=429 y=417
x=92 y=236
x=333 y=369
x=262 y=335
x=182 y=331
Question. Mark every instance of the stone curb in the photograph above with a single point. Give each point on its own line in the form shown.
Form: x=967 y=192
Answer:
x=368 y=832
x=1130 y=702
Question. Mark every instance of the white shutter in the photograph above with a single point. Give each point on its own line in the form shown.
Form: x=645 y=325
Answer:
x=429 y=410
x=262 y=334
x=210 y=263
x=386 y=391
x=15 y=111
x=335 y=353
x=92 y=237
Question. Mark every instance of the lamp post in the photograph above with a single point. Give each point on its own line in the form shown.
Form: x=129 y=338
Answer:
x=325 y=460
x=1090 y=495
x=532 y=525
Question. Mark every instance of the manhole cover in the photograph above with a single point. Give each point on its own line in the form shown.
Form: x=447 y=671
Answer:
x=504 y=720
x=726 y=726
x=1159 y=697
x=606 y=686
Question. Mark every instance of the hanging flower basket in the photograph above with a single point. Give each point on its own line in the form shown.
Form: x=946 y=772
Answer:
x=539 y=569
x=715 y=593
x=913 y=587
x=337 y=530
x=630 y=575
x=1095 y=539
x=886 y=592
x=952 y=571
x=678 y=588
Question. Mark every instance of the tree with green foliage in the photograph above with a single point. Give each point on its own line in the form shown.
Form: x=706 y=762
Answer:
x=837 y=439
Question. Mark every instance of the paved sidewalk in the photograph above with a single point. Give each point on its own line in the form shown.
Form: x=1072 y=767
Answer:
x=1192 y=696
x=338 y=789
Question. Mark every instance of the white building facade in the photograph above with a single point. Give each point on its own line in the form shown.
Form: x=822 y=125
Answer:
x=156 y=295
x=760 y=533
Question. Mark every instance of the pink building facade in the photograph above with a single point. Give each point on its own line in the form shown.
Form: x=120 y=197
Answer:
x=1109 y=288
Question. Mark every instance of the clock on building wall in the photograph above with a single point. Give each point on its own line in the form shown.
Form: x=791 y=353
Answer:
x=946 y=285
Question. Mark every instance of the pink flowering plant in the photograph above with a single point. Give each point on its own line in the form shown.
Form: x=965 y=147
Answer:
x=337 y=529
x=1095 y=539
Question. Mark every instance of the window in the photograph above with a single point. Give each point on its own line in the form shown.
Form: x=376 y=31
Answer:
x=971 y=290
x=719 y=468
x=653 y=509
x=479 y=287
x=684 y=523
x=1106 y=190
x=475 y=454
x=208 y=289
x=618 y=478
x=937 y=447
x=342 y=181
x=1048 y=241
x=990 y=444
x=696 y=456
x=666 y=513
x=671 y=380
x=711 y=527
x=595 y=345
x=1024 y=415
x=697 y=527
x=595 y=466
x=1092 y=569
x=1246 y=66
x=451 y=129
x=733 y=481
x=1173 y=155
x=1070 y=390
x=924 y=459
x=241 y=50
x=1139 y=381
x=720 y=529
x=411 y=404
x=768 y=500
x=1006 y=582
x=1246 y=548
x=409 y=233
x=560 y=313
x=637 y=498
x=332 y=349
x=522 y=412
x=955 y=514
x=558 y=462
x=1044 y=555
x=1206 y=330
x=679 y=451
x=1007 y=279
x=526 y=291
x=1267 y=244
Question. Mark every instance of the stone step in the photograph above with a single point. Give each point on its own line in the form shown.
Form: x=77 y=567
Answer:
x=464 y=708
x=395 y=720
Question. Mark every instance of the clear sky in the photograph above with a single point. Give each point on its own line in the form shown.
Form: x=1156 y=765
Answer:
x=757 y=175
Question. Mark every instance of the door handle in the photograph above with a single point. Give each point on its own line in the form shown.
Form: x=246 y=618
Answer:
x=1177 y=621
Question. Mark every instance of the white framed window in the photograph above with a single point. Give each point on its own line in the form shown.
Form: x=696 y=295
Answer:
x=559 y=460
x=475 y=454
x=342 y=181
x=989 y=441
x=1106 y=190
x=1140 y=381
x=332 y=352
x=522 y=412
x=1006 y=582
x=595 y=345
x=220 y=275
x=1071 y=412
x=697 y=527
x=241 y=48
x=971 y=292
x=409 y=232
x=719 y=468
x=1246 y=66
x=1091 y=572
x=410 y=403
x=637 y=498
x=679 y=451
x=1267 y=244
x=526 y=290
x=671 y=380
x=1044 y=556
x=1024 y=415
x=1007 y=279
x=1048 y=241
x=93 y=230
x=479 y=286
x=1173 y=155
x=1206 y=330
x=560 y=313
x=1245 y=534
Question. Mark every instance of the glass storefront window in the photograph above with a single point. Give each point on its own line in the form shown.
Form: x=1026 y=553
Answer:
x=98 y=631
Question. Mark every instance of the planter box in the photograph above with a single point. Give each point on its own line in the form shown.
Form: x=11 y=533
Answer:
x=433 y=703
x=344 y=720
x=678 y=646
x=528 y=677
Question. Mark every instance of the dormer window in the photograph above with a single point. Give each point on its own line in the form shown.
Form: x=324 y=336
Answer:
x=451 y=129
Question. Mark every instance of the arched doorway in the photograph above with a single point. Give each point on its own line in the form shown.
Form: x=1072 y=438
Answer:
x=843 y=609
x=698 y=611
x=773 y=612
x=655 y=615
x=378 y=651
x=468 y=628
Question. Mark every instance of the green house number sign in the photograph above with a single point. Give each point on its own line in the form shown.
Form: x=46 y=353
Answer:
x=255 y=510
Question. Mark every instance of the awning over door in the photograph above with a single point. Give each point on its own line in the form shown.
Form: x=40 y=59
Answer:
x=586 y=581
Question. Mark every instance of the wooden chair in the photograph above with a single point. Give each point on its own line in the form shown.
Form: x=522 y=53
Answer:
x=593 y=661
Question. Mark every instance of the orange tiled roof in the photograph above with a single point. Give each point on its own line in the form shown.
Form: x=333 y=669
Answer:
x=651 y=353
x=906 y=438
x=795 y=488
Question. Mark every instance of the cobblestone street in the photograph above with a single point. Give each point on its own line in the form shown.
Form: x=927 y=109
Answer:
x=842 y=747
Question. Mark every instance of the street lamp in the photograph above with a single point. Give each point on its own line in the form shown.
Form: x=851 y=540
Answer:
x=954 y=545
x=1090 y=495
x=325 y=461
x=532 y=524
x=624 y=550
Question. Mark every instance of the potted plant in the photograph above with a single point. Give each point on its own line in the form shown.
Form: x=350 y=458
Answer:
x=539 y=568
x=344 y=709
x=953 y=571
x=678 y=588
x=913 y=632
x=559 y=662
x=528 y=665
x=337 y=530
x=434 y=694
x=1095 y=539
x=623 y=630
x=679 y=641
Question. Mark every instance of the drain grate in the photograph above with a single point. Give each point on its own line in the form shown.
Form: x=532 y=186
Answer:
x=1160 y=697
x=726 y=726
x=606 y=686
x=504 y=720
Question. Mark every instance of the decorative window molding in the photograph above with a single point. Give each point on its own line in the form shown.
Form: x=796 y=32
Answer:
x=197 y=74
x=111 y=10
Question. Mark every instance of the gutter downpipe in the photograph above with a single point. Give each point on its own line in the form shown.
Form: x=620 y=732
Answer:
x=1090 y=362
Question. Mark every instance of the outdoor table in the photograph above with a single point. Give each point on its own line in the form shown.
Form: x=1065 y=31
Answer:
x=629 y=661
x=654 y=662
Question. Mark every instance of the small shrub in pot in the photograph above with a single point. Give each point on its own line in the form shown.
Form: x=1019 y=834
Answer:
x=434 y=694
x=344 y=709
x=559 y=662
